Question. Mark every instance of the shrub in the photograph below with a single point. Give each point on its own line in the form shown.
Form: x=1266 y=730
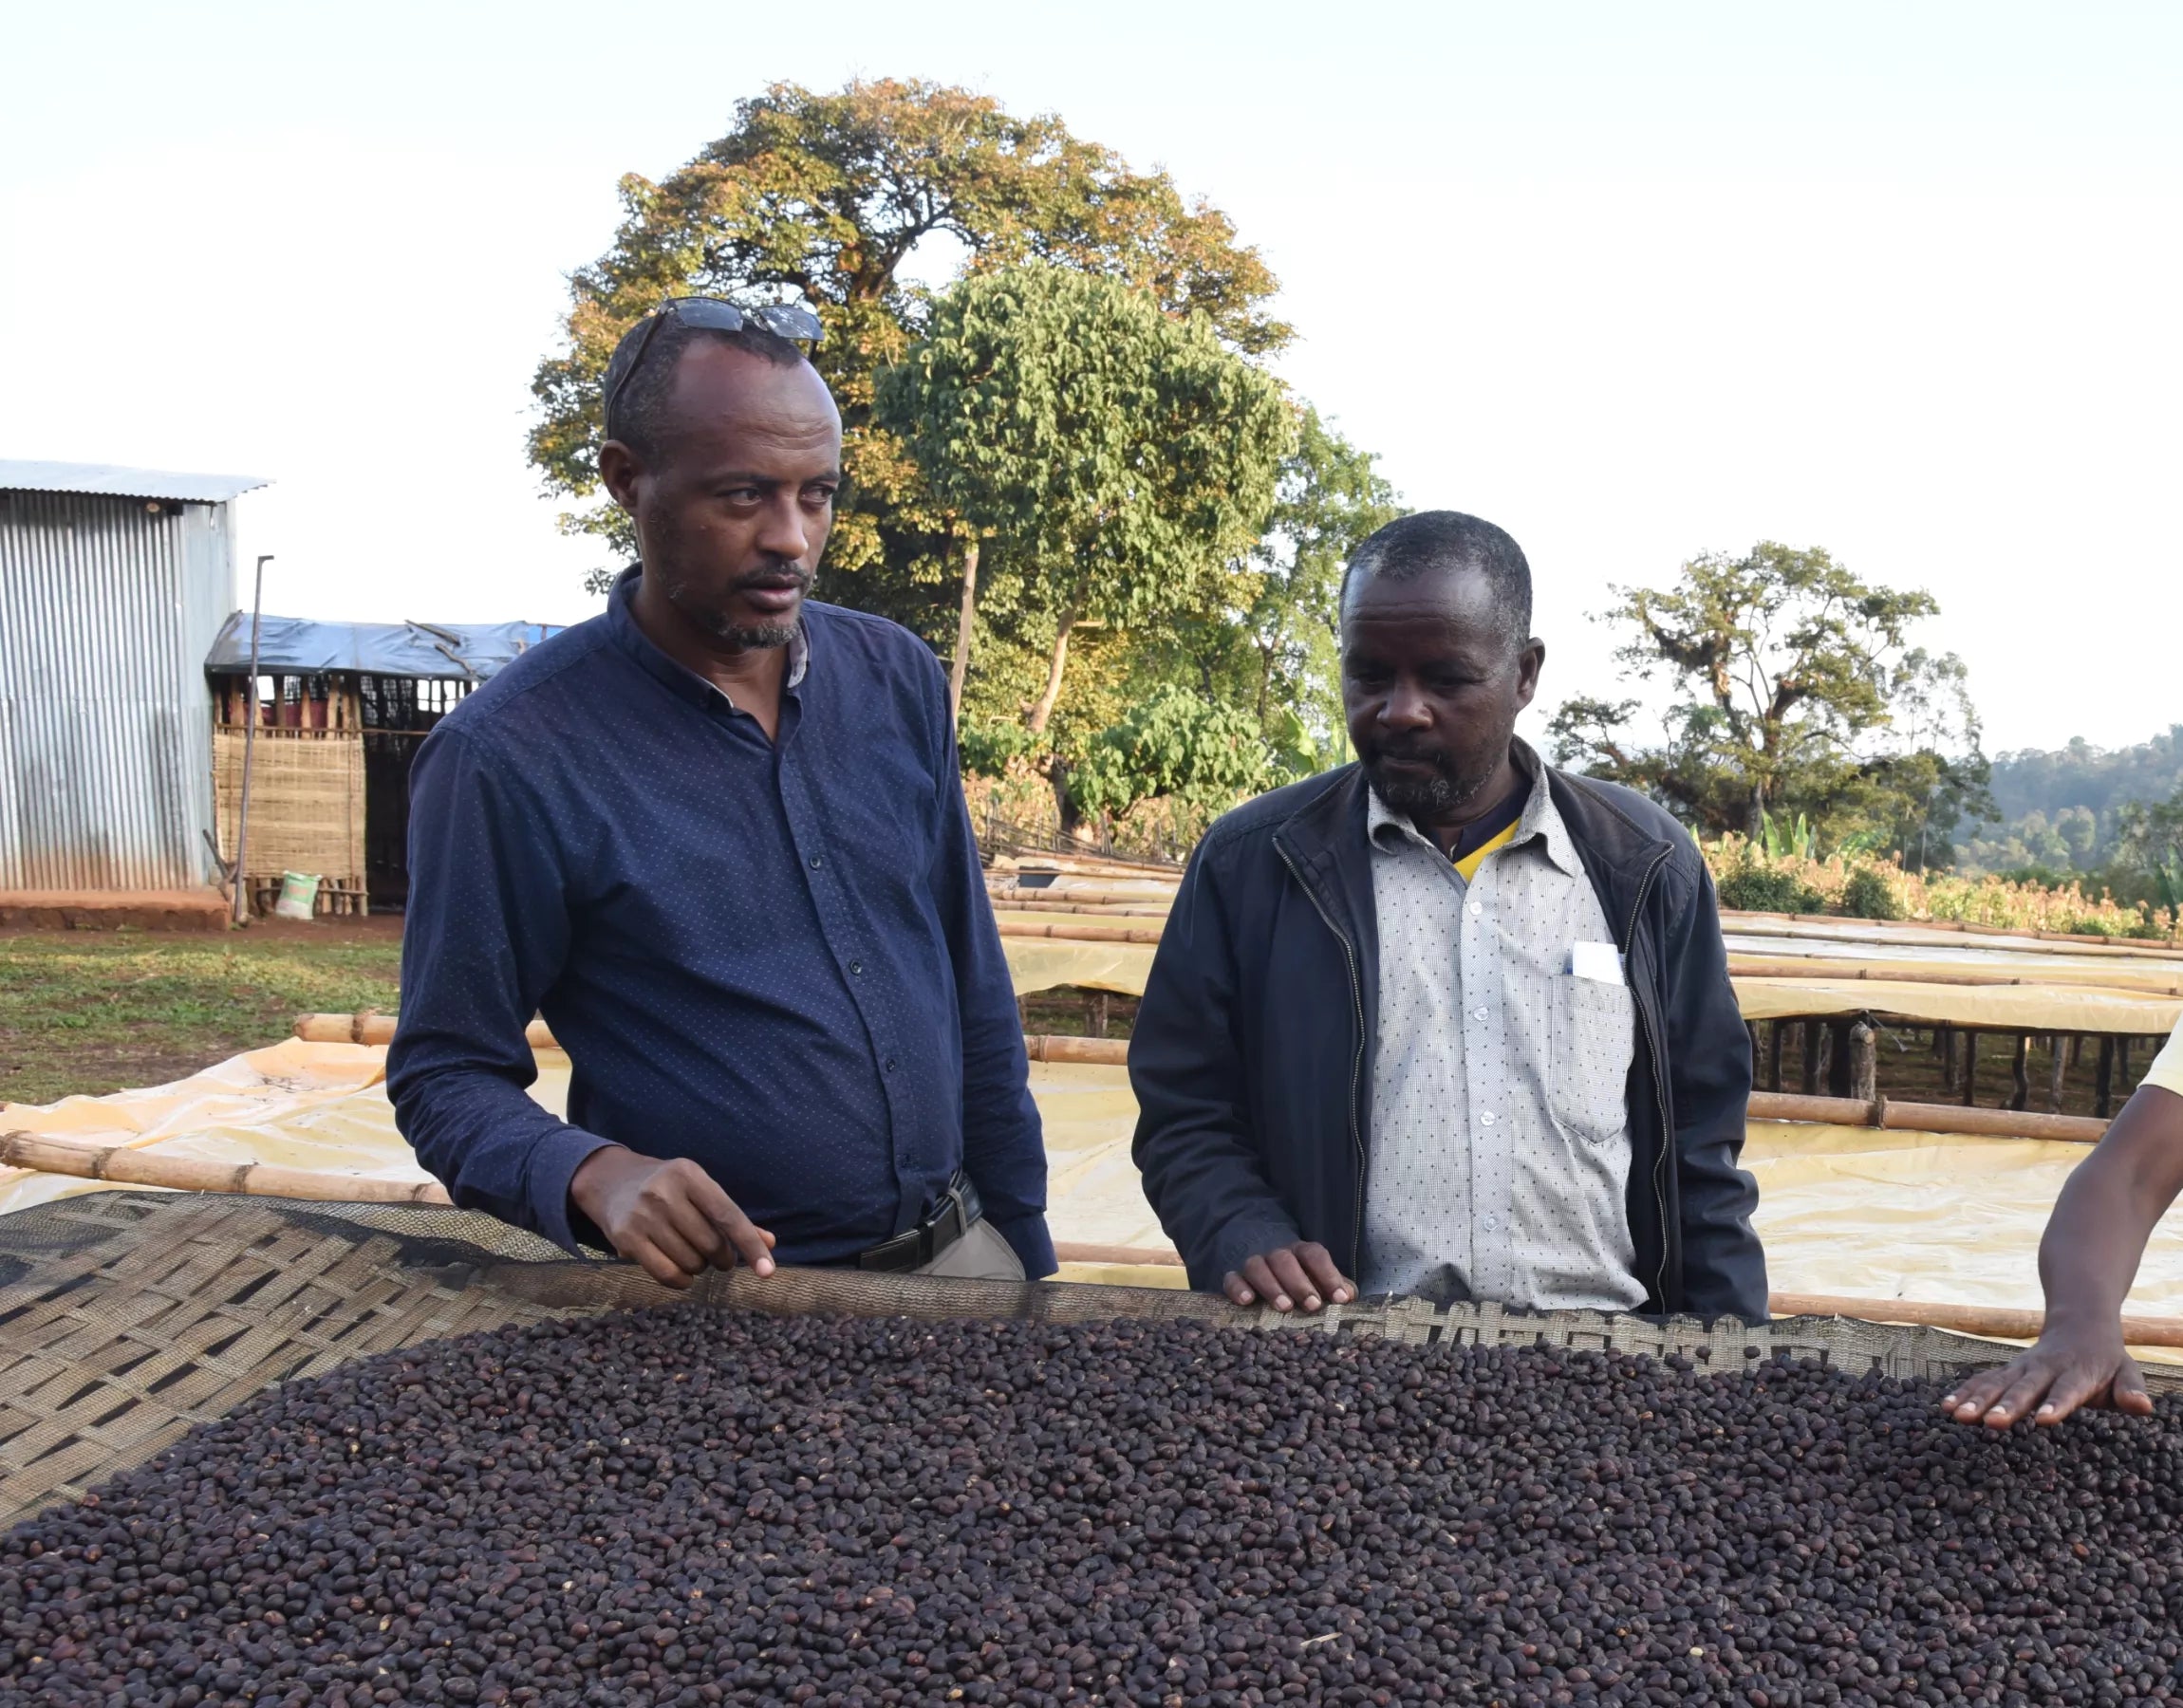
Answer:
x=1868 y=894
x=1763 y=889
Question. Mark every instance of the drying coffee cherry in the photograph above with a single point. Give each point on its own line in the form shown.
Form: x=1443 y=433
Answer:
x=687 y=1506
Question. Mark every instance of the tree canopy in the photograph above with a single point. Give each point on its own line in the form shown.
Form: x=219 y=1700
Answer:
x=835 y=200
x=1118 y=457
x=1794 y=688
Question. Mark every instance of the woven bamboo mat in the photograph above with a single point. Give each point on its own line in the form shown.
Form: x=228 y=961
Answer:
x=128 y=1318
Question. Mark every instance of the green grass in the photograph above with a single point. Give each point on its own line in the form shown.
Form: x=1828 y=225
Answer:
x=83 y=1012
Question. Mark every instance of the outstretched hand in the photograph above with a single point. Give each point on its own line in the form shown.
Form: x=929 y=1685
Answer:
x=2067 y=1369
x=1300 y=1276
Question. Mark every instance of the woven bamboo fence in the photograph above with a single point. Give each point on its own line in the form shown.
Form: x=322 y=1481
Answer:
x=307 y=802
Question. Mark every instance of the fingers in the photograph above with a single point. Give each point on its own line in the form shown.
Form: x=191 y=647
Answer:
x=1259 y=1279
x=1319 y=1266
x=656 y=1263
x=2079 y=1384
x=727 y=1232
x=1975 y=1397
x=2129 y=1389
x=1238 y=1290
x=2030 y=1379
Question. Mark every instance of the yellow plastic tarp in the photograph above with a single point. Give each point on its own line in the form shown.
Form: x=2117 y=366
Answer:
x=1041 y=963
x=1853 y=1212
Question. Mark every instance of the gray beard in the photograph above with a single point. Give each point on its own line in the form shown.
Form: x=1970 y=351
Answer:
x=1419 y=802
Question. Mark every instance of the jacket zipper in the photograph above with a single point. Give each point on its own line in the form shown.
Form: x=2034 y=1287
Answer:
x=1356 y=1059
x=1659 y=1093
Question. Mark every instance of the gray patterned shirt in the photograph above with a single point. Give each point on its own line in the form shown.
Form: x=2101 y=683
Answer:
x=1499 y=1134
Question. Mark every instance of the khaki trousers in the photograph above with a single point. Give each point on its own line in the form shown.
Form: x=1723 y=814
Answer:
x=980 y=1254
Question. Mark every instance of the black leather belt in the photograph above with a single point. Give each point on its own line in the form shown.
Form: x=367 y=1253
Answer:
x=959 y=1211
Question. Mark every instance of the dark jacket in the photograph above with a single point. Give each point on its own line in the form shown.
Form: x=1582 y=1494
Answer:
x=1252 y=1052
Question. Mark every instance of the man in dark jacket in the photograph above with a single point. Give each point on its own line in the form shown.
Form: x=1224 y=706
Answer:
x=1448 y=1022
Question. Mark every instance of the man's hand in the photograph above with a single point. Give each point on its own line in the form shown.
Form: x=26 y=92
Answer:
x=1302 y=1275
x=672 y=1217
x=2069 y=1368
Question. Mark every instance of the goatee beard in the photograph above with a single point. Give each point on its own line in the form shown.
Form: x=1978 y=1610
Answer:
x=1420 y=799
x=758 y=638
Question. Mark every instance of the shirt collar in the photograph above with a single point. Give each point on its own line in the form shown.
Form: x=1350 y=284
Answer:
x=1540 y=821
x=679 y=676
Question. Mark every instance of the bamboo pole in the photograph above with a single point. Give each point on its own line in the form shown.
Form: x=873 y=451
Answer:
x=1054 y=1046
x=1993 y=1321
x=1113 y=910
x=42 y=1154
x=1079 y=934
x=1829 y=972
x=1926 y=1118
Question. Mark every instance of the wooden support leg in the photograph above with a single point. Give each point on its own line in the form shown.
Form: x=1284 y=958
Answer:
x=2104 y=1081
x=1864 y=1062
x=2019 y=1096
x=1839 y=1059
x=2057 y=1073
x=1095 y=1014
x=1751 y=1028
x=1811 y=1074
x=2076 y=1048
x=1774 y=1055
x=2122 y=1067
x=1970 y=1069
x=1944 y=1038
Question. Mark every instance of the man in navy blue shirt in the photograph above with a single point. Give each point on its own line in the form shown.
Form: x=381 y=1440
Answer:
x=716 y=838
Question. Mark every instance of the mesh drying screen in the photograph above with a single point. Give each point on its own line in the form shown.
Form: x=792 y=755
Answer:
x=126 y=1318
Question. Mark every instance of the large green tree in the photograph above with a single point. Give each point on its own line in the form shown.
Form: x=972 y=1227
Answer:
x=836 y=200
x=1794 y=688
x=1118 y=457
x=1268 y=636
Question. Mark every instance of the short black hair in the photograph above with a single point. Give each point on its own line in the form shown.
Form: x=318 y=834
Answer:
x=1414 y=544
x=634 y=416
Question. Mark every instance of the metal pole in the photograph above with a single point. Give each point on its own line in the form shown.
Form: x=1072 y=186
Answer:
x=242 y=896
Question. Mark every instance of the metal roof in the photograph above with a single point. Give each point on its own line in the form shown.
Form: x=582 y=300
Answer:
x=453 y=651
x=109 y=480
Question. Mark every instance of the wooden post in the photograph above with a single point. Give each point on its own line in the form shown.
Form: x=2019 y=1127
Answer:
x=1970 y=1069
x=2058 y=1073
x=1811 y=1075
x=1839 y=1059
x=1864 y=1062
x=2122 y=1067
x=2020 y=1095
x=2103 y=1080
x=1751 y=1030
x=1095 y=1014
x=1774 y=1055
x=1943 y=1041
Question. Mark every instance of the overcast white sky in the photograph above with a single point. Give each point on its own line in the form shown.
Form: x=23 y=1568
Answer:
x=1632 y=282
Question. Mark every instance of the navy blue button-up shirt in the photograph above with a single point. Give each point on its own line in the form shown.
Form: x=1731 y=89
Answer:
x=775 y=958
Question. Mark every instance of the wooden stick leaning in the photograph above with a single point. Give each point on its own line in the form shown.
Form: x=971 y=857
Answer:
x=119 y=1163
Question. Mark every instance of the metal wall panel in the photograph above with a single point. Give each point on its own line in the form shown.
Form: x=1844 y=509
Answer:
x=105 y=613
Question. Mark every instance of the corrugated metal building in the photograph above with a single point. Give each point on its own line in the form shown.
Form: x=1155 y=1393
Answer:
x=113 y=585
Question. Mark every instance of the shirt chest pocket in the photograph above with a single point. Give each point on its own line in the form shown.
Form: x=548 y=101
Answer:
x=1593 y=1038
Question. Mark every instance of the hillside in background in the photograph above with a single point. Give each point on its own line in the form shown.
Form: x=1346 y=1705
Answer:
x=2059 y=809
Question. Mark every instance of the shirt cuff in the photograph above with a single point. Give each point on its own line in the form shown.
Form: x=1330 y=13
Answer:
x=1028 y=1239
x=1239 y=1241
x=553 y=1165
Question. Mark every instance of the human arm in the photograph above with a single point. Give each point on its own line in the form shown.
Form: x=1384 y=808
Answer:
x=1193 y=1144
x=2087 y=1260
x=1003 y=1145
x=1710 y=1090
x=487 y=933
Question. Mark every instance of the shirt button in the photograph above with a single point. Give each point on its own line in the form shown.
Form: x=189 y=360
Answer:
x=856 y=967
x=1491 y=1224
x=1476 y=908
x=891 y=1064
x=816 y=863
x=1478 y=1013
x=1486 y=1119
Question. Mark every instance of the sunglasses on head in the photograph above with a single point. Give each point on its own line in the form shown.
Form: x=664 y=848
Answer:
x=716 y=315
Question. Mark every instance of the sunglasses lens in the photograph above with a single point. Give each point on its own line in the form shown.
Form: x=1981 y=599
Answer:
x=708 y=311
x=789 y=322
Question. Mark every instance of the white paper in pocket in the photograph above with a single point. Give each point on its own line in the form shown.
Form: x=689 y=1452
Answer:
x=1595 y=961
